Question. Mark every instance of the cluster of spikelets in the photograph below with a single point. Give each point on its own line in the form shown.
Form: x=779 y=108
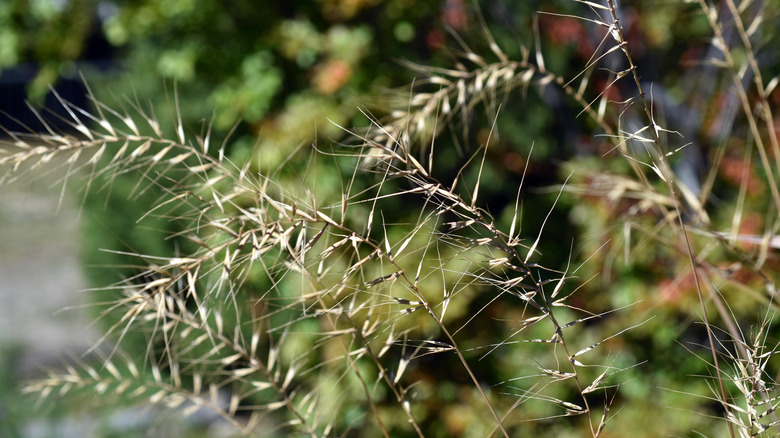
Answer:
x=355 y=288
x=291 y=310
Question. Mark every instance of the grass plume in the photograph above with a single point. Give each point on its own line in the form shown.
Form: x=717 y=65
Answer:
x=300 y=297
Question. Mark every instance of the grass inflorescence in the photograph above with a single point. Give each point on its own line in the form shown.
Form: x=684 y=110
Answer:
x=366 y=291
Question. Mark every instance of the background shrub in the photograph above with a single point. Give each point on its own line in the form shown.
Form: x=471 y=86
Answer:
x=565 y=220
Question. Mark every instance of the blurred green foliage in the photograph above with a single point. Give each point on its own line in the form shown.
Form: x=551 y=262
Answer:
x=289 y=74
